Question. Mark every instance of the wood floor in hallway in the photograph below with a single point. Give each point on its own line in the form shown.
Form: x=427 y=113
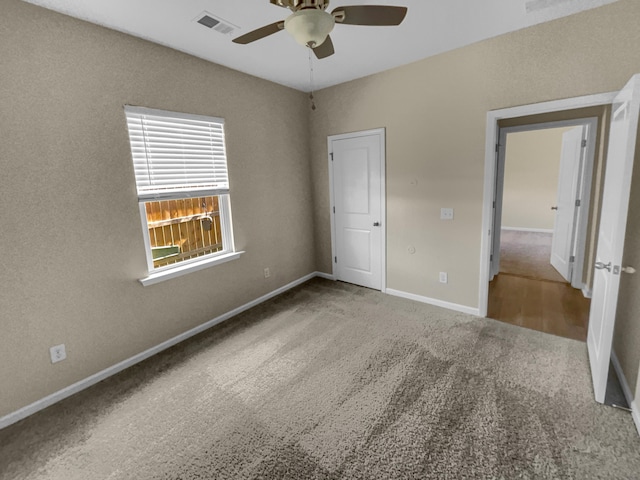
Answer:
x=547 y=306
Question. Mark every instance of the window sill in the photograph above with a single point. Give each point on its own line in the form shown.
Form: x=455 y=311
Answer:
x=178 y=271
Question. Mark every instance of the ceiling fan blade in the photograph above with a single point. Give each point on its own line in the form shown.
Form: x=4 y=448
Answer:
x=259 y=33
x=374 y=15
x=325 y=50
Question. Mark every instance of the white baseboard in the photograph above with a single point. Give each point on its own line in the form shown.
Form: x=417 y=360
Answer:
x=55 y=397
x=328 y=276
x=586 y=291
x=525 y=229
x=635 y=412
x=433 y=301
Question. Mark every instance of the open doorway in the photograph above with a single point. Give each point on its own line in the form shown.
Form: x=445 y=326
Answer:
x=542 y=207
x=618 y=132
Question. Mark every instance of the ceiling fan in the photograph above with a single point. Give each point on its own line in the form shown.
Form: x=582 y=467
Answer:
x=310 y=24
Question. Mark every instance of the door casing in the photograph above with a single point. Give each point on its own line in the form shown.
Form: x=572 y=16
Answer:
x=492 y=139
x=584 y=186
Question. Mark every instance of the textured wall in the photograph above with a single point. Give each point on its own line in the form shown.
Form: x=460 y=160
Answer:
x=72 y=239
x=532 y=161
x=67 y=179
x=435 y=115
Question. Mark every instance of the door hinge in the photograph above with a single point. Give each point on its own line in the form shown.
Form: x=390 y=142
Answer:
x=491 y=258
x=572 y=259
x=497 y=147
x=335 y=259
x=578 y=203
x=331 y=153
x=494 y=204
x=584 y=143
x=334 y=209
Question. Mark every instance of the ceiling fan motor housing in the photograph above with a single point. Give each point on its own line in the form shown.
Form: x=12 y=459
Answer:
x=296 y=5
x=309 y=27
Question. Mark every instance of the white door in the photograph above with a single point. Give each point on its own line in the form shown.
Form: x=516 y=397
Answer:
x=357 y=170
x=613 y=219
x=566 y=209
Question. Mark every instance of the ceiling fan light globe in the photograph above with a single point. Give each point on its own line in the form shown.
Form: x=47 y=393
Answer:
x=310 y=27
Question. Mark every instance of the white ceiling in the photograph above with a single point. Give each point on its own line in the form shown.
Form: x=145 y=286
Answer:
x=431 y=27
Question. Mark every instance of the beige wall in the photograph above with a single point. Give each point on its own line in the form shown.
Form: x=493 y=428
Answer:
x=71 y=234
x=435 y=115
x=532 y=162
x=68 y=181
x=434 y=112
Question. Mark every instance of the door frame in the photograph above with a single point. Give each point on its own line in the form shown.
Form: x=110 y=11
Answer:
x=381 y=133
x=491 y=142
x=584 y=188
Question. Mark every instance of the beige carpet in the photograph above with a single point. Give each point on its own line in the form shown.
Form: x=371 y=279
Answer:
x=527 y=254
x=333 y=381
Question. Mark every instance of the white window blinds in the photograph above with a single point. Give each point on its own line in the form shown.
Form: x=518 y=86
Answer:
x=177 y=155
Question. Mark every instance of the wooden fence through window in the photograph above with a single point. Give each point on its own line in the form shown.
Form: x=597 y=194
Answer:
x=192 y=225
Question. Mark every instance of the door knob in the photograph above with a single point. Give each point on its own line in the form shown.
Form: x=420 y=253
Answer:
x=376 y=224
x=554 y=208
x=602 y=266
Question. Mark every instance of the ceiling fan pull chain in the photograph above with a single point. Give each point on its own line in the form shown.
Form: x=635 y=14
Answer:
x=313 y=103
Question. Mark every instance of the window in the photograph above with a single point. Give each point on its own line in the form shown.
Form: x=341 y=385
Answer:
x=181 y=176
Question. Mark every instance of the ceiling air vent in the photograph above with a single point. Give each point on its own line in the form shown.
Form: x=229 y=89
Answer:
x=216 y=23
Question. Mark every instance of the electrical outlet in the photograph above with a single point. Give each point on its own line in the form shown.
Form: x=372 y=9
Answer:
x=444 y=278
x=58 y=353
x=446 y=214
x=267 y=273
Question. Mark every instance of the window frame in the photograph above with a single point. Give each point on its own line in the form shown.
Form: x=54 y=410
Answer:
x=228 y=252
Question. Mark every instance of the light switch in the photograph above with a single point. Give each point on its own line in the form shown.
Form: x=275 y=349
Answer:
x=446 y=214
